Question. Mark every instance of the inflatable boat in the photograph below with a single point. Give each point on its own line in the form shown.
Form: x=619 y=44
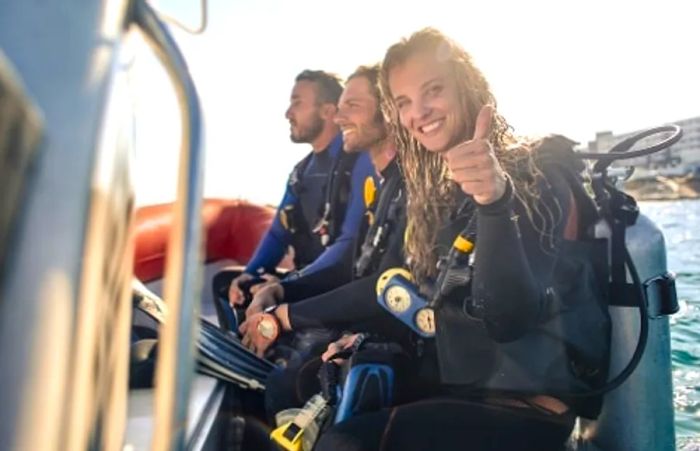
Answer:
x=71 y=241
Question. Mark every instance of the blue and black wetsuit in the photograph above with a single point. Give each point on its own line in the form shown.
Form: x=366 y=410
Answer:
x=351 y=306
x=319 y=266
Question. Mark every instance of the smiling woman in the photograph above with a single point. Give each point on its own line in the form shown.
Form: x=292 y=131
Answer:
x=492 y=360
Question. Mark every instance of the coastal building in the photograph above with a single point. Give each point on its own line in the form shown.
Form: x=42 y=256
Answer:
x=681 y=158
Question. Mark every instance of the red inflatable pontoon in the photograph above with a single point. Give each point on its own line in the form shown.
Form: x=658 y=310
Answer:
x=233 y=229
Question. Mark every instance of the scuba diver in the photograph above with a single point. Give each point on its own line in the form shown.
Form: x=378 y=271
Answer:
x=321 y=211
x=505 y=351
x=362 y=123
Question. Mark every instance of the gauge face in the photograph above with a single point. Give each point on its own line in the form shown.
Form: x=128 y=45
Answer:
x=267 y=328
x=388 y=275
x=425 y=320
x=397 y=299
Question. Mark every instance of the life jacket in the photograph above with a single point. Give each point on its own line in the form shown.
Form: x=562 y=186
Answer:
x=567 y=352
x=383 y=220
x=314 y=227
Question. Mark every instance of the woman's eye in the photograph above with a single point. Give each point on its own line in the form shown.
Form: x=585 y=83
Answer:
x=435 y=90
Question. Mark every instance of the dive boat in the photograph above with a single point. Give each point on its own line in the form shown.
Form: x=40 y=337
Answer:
x=628 y=420
x=71 y=241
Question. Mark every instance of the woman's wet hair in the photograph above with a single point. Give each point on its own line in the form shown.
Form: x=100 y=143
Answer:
x=432 y=194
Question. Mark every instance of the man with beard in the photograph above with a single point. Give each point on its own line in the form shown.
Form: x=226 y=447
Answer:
x=352 y=306
x=322 y=207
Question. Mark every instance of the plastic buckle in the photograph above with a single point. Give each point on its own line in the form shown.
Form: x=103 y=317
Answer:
x=661 y=296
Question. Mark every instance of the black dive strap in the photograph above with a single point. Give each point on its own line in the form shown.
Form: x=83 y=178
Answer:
x=454 y=268
x=291 y=216
x=337 y=193
x=297 y=173
x=623 y=213
x=375 y=239
x=659 y=294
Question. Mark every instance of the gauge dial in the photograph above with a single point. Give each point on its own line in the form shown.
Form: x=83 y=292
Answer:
x=388 y=275
x=397 y=299
x=425 y=320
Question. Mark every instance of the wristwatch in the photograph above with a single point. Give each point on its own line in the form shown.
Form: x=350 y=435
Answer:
x=269 y=325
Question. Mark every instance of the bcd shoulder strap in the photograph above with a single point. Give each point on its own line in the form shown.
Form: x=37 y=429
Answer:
x=374 y=241
x=337 y=195
x=294 y=180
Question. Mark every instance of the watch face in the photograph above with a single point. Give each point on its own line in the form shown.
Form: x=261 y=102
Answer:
x=397 y=298
x=425 y=320
x=267 y=328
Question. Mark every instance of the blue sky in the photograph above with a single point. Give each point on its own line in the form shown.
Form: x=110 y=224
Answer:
x=555 y=66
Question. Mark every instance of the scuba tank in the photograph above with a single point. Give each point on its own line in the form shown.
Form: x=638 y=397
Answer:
x=638 y=414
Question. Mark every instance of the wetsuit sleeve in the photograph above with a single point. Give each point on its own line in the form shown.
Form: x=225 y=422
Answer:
x=514 y=260
x=273 y=246
x=334 y=266
x=354 y=305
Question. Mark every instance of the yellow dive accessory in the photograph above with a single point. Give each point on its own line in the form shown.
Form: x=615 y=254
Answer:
x=388 y=274
x=463 y=244
x=397 y=293
x=370 y=191
x=290 y=436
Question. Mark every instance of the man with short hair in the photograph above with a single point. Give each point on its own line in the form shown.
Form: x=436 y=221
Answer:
x=322 y=208
x=363 y=127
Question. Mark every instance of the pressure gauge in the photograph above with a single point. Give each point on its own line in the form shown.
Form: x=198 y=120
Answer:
x=425 y=320
x=388 y=275
x=397 y=298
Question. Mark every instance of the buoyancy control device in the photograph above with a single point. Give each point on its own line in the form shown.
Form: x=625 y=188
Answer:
x=652 y=293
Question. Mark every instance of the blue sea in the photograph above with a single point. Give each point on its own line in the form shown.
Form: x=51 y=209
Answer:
x=680 y=222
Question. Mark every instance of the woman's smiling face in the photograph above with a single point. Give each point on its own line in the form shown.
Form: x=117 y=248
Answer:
x=427 y=100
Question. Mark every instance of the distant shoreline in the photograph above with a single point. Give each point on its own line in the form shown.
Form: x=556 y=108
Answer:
x=664 y=188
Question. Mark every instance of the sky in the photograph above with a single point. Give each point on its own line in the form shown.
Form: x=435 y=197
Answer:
x=574 y=68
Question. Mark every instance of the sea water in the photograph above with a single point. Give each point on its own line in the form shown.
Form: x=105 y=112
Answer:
x=680 y=223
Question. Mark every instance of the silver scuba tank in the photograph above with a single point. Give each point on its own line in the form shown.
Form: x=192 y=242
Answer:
x=638 y=415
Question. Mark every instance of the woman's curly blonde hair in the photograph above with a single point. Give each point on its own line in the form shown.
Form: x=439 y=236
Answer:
x=432 y=195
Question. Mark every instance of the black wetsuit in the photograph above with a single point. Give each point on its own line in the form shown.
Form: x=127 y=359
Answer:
x=352 y=306
x=514 y=263
x=324 y=185
x=349 y=307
